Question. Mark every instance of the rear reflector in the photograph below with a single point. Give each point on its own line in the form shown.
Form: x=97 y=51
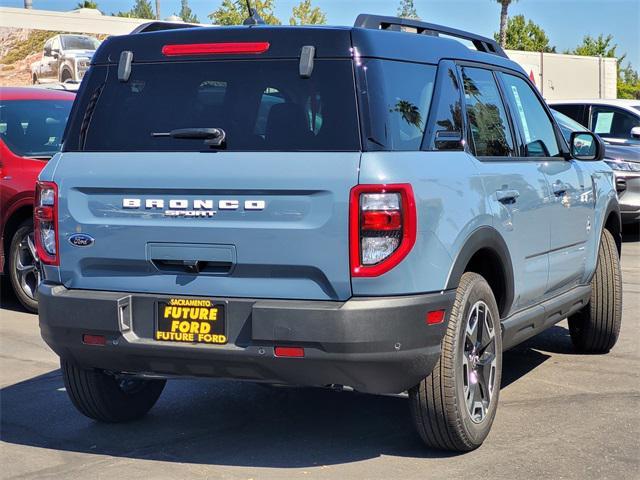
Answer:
x=437 y=316
x=94 y=339
x=295 y=352
x=215 y=48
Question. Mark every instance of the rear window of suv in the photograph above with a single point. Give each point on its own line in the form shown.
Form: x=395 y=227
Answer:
x=262 y=105
x=33 y=128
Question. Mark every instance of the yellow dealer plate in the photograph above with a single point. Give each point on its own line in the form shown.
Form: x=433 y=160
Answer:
x=188 y=320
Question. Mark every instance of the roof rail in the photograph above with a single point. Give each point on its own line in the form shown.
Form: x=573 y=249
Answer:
x=378 y=22
x=158 y=26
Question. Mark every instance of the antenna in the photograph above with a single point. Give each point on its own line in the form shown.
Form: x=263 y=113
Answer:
x=254 y=18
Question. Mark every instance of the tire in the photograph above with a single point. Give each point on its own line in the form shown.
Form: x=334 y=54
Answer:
x=596 y=327
x=65 y=75
x=24 y=268
x=439 y=402
x=107 y=398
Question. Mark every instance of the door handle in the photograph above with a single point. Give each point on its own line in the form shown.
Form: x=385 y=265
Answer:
x=560 y=188
x=507 y=197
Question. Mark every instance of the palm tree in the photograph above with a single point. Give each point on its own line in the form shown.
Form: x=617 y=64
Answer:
x=504 y=14
x=157 y=9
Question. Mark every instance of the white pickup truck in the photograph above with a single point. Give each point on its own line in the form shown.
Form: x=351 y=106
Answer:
x=65 y=58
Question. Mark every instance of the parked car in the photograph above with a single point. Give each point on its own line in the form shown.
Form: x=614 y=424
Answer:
x=69 y=86
x=65 y=58
x=31 y=125
x=404 y=211
x=625 y=162
x=616 y=121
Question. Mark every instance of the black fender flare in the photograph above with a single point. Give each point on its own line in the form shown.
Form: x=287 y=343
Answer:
x=613 y=207
x=489 y=238
x=66 y=66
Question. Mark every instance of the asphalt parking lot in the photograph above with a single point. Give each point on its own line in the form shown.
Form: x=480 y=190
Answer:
x=561 y=415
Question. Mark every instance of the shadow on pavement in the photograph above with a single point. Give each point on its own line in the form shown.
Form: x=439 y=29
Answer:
x=219 y=422
x=8 y=299
x=631 y=233
x=241 y=424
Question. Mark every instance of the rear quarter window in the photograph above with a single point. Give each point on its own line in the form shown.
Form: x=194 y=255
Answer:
x=396 y=99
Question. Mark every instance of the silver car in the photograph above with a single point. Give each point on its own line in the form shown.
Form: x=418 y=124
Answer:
x=65 y=58
x=624 y=160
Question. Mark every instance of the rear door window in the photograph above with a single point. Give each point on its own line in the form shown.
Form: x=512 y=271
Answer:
x=611 y=122
x=486 y=114
x=47 y=48
x=262 y=105
x=574 y=111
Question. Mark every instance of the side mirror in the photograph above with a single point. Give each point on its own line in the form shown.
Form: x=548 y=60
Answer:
x=55 y=53
x=586 y=146
x=448 y=140
x=635 y=133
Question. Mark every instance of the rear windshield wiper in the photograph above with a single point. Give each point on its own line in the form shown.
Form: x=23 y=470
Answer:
x=211 y=136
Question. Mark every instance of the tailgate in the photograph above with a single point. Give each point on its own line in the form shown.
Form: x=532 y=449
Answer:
x=228 y=224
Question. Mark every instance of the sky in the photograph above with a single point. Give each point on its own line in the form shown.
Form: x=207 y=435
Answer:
x=566 y=22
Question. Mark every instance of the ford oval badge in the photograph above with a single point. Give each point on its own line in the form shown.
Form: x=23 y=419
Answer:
x=81 y=240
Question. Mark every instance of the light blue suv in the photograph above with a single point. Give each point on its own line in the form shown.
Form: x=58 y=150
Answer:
x=377 y=207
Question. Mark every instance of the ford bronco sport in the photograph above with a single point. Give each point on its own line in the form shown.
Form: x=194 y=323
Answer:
x=377 y=207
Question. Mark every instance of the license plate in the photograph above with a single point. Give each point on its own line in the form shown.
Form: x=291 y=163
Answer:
x=188 y=320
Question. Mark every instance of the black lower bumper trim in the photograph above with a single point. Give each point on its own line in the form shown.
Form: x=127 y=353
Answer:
x=376 y=344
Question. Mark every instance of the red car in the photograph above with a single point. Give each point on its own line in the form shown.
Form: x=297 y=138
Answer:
x=32 y=121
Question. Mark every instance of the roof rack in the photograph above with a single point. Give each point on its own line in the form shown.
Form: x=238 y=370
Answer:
x=378 y=22
x=158 y=26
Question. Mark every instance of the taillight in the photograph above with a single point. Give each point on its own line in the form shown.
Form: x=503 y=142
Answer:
x=231 y=48
x=45 y=219
x=382 y=227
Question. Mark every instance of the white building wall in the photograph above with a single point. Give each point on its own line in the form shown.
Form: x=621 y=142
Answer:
x=560 y=76
x=84 y=20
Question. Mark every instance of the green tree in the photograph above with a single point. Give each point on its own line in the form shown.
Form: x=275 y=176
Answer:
x=140 y=9
x=234 y=12
x=598 y=46
x=628 y=83
x=523 y=35
x=504 y=15
x=305 y=14
x=186 y=14
x=407 y=9
x=88 y=4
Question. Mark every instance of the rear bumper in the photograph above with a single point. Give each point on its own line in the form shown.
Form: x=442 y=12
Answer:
x=377 y=345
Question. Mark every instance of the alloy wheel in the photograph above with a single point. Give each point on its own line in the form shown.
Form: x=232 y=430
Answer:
x=479 y=361
x=27 y=266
